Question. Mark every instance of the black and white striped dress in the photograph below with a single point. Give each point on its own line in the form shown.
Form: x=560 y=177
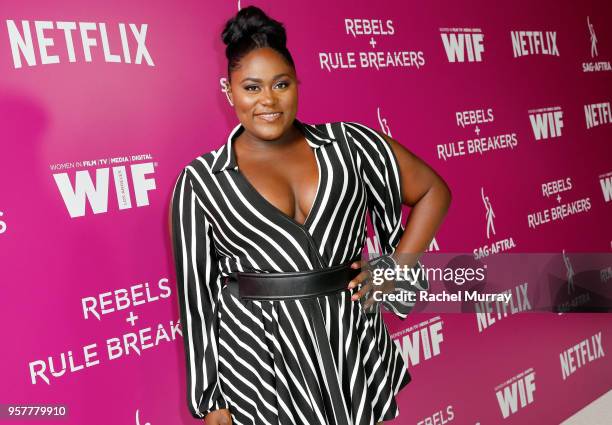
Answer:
x=314 y=361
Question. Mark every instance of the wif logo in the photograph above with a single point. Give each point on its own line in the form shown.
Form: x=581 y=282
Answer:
x=605 y=181
x=421 y=341
x=22 y=44
x=546 y=122
x=459 y=42
x=96 y=194
x=517 y=393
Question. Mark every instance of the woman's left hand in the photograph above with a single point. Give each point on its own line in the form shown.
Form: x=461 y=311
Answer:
x=386 y=287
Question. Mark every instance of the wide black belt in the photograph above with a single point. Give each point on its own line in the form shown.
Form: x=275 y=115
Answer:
x=291 y=285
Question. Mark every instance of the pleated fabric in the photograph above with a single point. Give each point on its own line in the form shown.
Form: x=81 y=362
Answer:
x=316 y=361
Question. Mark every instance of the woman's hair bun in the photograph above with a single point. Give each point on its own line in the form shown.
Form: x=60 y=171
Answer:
x=252 y=20
x=249 y=29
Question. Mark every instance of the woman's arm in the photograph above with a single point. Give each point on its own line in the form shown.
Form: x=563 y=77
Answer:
x=424 y=191
x=429 y=197
x=198 y=289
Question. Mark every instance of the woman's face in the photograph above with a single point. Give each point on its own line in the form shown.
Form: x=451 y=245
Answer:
x=264 y=92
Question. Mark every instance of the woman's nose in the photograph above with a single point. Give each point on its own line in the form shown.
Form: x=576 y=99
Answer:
x=268 y=97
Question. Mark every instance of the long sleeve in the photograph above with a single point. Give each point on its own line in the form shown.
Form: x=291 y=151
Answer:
x=199 y=289
x=381 y=174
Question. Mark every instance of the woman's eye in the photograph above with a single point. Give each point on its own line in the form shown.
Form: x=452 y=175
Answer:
x=282 y=85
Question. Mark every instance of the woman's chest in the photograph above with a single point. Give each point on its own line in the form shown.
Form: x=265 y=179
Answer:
x=308 y=189
x=300 y=216
x=287 y=182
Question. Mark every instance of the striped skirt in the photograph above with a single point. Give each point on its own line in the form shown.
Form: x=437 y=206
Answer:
x=313 y=361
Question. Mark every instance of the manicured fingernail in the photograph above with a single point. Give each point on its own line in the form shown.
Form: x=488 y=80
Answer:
x=354 y=297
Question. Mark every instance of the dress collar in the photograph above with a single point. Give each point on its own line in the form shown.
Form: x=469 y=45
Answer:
x=226 y=159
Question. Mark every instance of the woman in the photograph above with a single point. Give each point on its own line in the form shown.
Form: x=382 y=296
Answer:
x=267 y=237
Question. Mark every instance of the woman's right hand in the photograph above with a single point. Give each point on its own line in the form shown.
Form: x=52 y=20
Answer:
x=218 y=417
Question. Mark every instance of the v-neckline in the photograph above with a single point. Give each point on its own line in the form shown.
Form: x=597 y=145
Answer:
x=310 y=214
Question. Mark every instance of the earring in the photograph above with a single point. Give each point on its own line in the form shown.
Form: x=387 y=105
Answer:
x=228 y=98
x=225 y=88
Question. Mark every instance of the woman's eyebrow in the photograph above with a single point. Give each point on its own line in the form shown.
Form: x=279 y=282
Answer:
x=259 y=80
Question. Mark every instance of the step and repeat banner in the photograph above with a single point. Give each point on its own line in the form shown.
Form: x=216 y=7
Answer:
x=103 y=103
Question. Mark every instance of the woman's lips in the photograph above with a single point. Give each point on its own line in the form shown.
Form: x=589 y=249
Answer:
x=269 y=117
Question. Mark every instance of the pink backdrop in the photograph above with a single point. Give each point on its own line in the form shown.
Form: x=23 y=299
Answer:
x=62 y=251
